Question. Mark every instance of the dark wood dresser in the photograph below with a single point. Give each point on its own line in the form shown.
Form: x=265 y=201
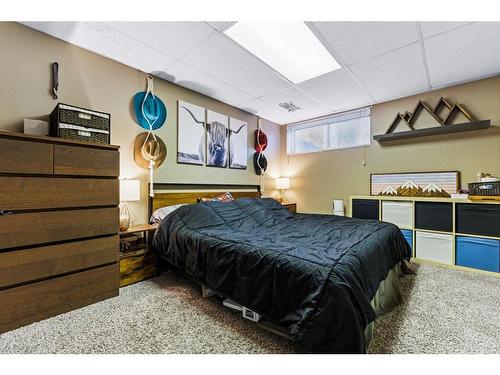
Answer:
x=59 y=245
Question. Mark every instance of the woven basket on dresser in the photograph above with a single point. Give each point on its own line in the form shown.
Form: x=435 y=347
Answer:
x=80 y=124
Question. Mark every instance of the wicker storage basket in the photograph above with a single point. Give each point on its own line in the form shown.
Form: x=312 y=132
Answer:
x=80 y=124
x=484 y=188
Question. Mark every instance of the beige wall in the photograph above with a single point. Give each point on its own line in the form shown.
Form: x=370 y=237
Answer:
x=318 y=178
x=92 y=81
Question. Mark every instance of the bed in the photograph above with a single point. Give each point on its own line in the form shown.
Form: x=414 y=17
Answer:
x=321 y=278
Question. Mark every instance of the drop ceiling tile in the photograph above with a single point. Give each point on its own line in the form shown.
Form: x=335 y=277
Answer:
x=394 y=74
x=309 y=107
x=338 y=90
x=267 y=111
x=432 y=28
x=220 y=25
x=467 y=53
x=187 y=76
x=225 y=60
x=98 y=37
x=358 y=41
x=173 y=38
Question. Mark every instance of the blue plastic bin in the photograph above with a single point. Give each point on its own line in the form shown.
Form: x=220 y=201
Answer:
x=479 y=253
x=408 y=236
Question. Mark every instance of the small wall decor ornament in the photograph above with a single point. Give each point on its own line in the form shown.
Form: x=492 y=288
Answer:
x=150 y=114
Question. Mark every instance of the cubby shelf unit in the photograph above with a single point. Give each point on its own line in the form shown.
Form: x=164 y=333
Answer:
x=454 y=233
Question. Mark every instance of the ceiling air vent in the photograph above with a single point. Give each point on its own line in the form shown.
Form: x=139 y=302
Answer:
x=289 y=106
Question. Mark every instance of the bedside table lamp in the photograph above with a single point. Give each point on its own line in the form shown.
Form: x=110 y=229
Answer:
x=130 y=190
x=282 y=184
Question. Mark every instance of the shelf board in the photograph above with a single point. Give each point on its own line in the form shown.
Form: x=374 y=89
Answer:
x=438 y=130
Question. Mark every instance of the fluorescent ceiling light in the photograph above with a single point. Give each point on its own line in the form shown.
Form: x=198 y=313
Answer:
x=288 y=47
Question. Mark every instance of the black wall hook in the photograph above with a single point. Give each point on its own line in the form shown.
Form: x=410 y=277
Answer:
x=55 y=79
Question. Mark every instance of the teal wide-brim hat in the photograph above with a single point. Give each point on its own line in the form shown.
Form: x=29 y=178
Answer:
x=154 y=110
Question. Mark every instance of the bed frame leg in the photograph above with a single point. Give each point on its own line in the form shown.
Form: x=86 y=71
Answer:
x=206 y=292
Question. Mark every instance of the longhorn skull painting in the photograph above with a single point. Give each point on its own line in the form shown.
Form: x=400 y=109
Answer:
x=238 y=144
x=190 y=134
x=217 y=138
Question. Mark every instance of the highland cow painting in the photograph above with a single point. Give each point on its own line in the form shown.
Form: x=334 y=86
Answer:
x=217 y=139
x=191 y=134
x=420 y=184
x=238 y=144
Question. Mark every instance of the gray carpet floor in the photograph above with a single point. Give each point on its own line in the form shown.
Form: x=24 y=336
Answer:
x=444 y=311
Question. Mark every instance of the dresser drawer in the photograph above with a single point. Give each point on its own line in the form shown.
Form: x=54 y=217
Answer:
x=21 y=266
x=33 y=302
x=399 y=213
x=20 y=193
x=25 y=157
x=26 y=229
x=85 y=161
x=434 y=246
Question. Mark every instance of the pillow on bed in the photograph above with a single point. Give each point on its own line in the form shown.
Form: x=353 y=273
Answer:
x=162 y=212
x=226 y=197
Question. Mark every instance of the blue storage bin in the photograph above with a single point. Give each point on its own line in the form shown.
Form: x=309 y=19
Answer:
x=408 y=236
x=480 y=253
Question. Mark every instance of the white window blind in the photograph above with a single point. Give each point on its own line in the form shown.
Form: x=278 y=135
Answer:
x=342 y=130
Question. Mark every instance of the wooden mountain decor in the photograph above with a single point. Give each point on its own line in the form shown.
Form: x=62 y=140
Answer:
x=417 y=184
x=445 y=127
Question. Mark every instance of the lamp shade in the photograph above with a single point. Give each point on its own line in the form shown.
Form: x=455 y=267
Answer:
x=282 y=183
x=130 y=190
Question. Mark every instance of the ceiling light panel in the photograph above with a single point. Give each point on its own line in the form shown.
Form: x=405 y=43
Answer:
x=290 y=48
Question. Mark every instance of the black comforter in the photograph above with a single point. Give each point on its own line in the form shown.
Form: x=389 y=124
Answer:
x=314 y=275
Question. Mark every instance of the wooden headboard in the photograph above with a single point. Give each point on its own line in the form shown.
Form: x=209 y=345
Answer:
x=167 y=194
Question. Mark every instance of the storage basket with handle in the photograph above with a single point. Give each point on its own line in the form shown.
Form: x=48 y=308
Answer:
x=80 y=124
x=484 y=189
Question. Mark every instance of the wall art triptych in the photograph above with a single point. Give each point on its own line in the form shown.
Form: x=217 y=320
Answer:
x=205 y=137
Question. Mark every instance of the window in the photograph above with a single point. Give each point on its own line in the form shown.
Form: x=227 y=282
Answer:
x=343 y=130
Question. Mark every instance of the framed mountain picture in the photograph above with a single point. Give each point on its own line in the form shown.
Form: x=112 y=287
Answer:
x=416 y=184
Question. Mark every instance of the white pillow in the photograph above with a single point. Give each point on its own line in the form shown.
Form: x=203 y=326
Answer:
x=162 y=212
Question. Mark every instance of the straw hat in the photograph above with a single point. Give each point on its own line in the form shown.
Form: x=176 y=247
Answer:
x=152 y=148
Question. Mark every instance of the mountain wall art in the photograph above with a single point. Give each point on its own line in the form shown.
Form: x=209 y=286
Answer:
x=419 y=184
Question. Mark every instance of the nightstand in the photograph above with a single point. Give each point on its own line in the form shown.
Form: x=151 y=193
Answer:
x=291 y=206
x=138 y=261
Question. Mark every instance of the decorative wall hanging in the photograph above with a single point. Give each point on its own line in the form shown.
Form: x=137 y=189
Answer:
x=259 y=160
x=150 y=111
x=151 y=114
x=238 y=144
x=140 y=159
x=217 y=139
x=191 y=134
x=260 y=163
x=445 y=127
x=418 y=184
x=260 y=140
